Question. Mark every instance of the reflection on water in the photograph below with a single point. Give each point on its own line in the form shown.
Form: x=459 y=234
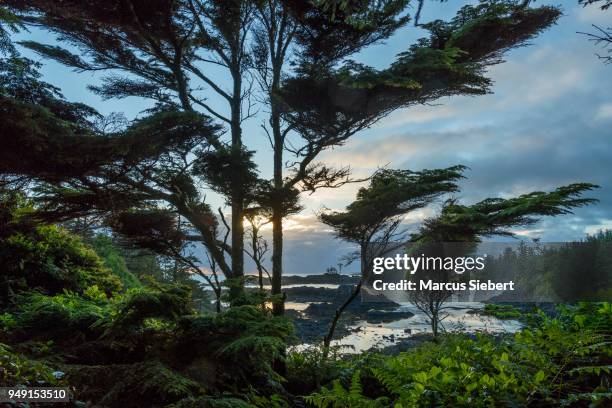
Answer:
x=296 y=285
x=300 y=285
x=300 y=307
x=367 y=335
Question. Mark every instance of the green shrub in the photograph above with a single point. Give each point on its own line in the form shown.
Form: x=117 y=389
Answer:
x=310 y=367
x=51 y=260
x=64 y=312
x=148 y=383
x=16 y=369
x=133 y=311
x=112 y=259
x=245 y=341
x=546 y=364
x=587 y=315
x=502 y=311
x=7 y=322
x=143 y=384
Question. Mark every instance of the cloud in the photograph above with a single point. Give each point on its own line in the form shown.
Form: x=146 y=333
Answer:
x=545 y=125
x=604 y=224
x=592 y=15
x=369 y=154
x=541 y=74
x=417 y=115
x=604 y=112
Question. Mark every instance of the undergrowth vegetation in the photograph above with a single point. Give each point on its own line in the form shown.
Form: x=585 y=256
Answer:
x=146 y=345
x=66 y=319
x=51 y=260
x=560 y=361
x=502 y=311
x=17 y=369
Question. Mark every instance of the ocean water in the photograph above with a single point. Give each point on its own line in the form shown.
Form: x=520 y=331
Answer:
x=366 y=335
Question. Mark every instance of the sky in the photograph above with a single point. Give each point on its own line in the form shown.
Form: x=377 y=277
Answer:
x=546 y=124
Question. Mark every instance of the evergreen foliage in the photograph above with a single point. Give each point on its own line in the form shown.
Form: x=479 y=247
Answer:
x=494 y=216
x=558 y=272
x=390 y=194
x=51 y=260
x=17 y=369
x=112 y=258
x=297 y=51
x=535 y=367
x=124 y=330
x=45 y=258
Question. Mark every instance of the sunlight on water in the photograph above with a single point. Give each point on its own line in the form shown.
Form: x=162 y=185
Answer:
x=367 y=335
x=300 y=307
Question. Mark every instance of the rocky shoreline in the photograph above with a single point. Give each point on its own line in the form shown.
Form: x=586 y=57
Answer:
x=324 y=279
x=313 y=322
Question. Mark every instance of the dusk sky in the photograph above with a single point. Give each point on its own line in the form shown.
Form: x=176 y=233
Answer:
x=546 y=124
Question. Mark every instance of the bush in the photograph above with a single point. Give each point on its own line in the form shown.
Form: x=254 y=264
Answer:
x=310 y=367
x=144 y=384
x=245 y=341
x=19 y=370
x=112 y=259
x=556 y=362
x=502 y=311
x=148 y=307
x=40 y=314
x=51 y=260
x=7 y=322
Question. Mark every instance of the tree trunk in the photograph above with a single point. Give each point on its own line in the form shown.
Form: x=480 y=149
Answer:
x=363 y=262
x=330 y=333
x=278 y=306
x=434 y=323
x=278 y=39
x=218 y=301
x=237 y=189
x=364 y=276
x=277 y=211
x=237 y=254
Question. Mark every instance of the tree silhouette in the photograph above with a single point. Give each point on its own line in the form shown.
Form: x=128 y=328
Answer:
x=296 y=51
x=458 y=223
x=373 y=220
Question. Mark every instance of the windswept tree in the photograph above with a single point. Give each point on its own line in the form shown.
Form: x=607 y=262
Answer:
x=155 y=50
x=468 y=224
x=290 y=59
x=328 y=97
x=78 y=169
x=373 y=222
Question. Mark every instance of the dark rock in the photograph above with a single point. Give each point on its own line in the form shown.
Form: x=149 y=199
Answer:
x=330 y=279
x=386 y=316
